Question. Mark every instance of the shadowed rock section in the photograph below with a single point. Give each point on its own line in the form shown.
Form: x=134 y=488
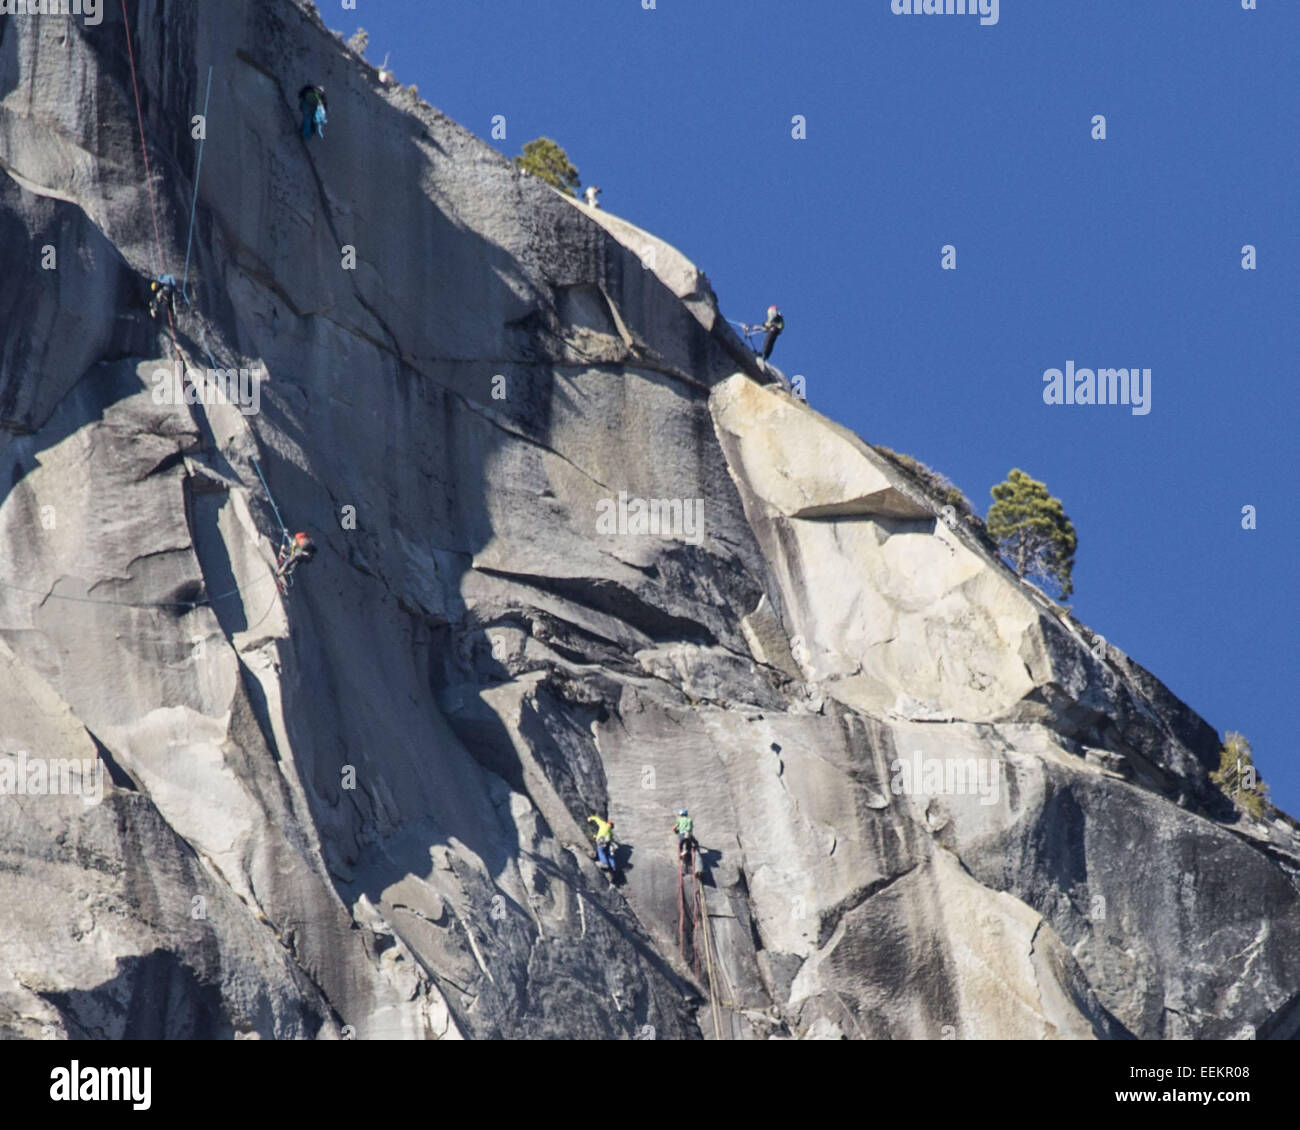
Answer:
x=360 y=809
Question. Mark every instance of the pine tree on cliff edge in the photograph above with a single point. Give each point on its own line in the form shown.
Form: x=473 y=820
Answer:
x=1033 y=532
x=1238 y=778
x=547 y=161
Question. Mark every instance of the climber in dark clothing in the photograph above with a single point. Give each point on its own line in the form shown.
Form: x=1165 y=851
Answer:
x=162 y=296
x=312 y=103
x=773 y=327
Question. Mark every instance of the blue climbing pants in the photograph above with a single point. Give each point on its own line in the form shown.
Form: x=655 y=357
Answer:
x=313 y=118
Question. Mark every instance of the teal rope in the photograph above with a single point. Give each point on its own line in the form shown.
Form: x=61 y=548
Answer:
x=271 y=499
x=195 y=202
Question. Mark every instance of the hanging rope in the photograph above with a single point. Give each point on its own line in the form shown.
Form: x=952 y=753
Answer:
x=203 y=341
x=271 y=499
x=148 y=174
x=695 y=914
x=144 y=149
x=708 y=958
x=198 y=168
x=176 y=348
x=681 y=908
x=686 y=863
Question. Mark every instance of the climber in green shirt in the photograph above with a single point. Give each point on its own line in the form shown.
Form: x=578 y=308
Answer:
x=684 y=826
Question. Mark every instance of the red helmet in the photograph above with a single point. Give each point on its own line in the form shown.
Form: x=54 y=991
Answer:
x=301 y=538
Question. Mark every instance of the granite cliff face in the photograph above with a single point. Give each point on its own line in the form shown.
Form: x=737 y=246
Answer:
x=359 y=809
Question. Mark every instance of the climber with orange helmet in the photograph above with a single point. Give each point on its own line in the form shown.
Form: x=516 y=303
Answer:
x=772 y=327
x=297 y=549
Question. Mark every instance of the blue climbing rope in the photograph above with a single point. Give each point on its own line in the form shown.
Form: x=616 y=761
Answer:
x=198 y=166
x=203 y=341
x=271 y=499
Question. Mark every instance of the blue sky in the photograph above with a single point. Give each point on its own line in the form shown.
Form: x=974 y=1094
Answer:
x=931 y=130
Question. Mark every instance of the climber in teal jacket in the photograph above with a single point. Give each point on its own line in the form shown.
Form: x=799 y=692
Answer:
x=311 y=101
x=684 y=826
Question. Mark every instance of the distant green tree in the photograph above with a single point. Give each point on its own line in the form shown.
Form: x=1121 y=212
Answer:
x=1032 y=530
x=1238 y=778
x=547 y=161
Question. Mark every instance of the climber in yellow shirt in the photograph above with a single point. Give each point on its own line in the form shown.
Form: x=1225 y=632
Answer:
x=604 y=841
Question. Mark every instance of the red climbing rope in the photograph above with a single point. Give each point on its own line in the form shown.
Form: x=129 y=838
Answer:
x=148 y=174
x=685 y=861
x=681 y=907
x=696 y=910
x=687 y=857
